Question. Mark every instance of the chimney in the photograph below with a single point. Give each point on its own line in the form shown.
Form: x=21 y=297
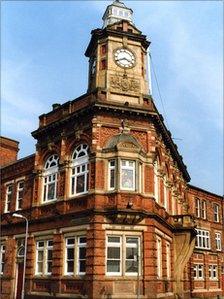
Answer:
x=8 y=150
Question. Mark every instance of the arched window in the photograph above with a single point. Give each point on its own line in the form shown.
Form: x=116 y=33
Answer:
x=80 y=170
x=50 y=178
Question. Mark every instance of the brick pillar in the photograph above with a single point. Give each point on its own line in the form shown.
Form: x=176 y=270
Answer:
x=149 y=263
x=30 y=263
x=95 y=259
x=57 y=262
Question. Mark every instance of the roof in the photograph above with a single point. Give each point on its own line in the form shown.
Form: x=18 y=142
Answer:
x=203 y=190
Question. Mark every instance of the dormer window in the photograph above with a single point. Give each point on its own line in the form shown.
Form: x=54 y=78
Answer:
x=50 y=178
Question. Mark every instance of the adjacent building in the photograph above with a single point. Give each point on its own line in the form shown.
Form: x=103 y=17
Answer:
x=111 y=212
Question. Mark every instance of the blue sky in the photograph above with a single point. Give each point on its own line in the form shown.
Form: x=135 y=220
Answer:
x=43 y=62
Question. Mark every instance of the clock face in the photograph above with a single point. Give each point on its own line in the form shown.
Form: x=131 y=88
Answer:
x=124 y=58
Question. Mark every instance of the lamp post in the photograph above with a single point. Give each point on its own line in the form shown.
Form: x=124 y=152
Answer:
x=25 y=250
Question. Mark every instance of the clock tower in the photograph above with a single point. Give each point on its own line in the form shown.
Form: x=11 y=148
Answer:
x=118 y=57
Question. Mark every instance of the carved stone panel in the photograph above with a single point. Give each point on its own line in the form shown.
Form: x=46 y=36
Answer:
x=124 y=84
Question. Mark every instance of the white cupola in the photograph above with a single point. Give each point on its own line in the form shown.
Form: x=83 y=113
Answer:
x=116 y=12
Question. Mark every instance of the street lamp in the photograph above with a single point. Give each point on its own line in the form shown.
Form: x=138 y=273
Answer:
x=25 y=250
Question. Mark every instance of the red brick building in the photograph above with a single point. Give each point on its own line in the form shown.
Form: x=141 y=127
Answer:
x=107 y=196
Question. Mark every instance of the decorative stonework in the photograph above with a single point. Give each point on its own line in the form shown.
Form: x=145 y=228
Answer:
x=124 y=84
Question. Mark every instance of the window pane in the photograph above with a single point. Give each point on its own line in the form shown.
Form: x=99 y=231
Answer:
x=70 y=266
x=131 y=253
x=40 y=267
x=49 y=267
x=113 y=253
x=51 y=191
x=113 y=266
x=132 y=240
x=70 y=241
x=82 y=253
x=114 y=239
x=50 y=243
x=49 y=255
x=40 y=244
x=70 y=253
x=127 y=179
x=82 y=240
x=80 y=187
x=112 y=178
x=82 y=266
x=131 y=266
x=40 y=256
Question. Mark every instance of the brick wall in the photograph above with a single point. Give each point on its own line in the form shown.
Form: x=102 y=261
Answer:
x=8 y=150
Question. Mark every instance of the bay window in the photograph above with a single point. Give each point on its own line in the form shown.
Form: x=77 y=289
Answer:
x=80 y=170
x=127 y=175
x=44 y=255
x=112 y=174
x=123 y=255
x=50 y=178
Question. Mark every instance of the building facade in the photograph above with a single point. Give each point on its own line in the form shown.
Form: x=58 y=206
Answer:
x=107 y=196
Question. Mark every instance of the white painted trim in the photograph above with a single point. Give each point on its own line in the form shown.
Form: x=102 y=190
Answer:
x=44 y=233
x=74 y=228
x=22 y=178
x=121 y=228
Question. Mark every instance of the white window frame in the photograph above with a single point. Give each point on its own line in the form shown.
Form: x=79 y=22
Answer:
x=156 y=181
x=203 y=239
x=218 y=241
x=213 y=272
x=110 y=169
x=159 y=259
x=198 y=271
x=7 y=196
x=2 y=258
x=50 y=177
x=216 y=212
x=168 y=260
x=123 y=245
x=128 y=167
x=18 y=198
x=47 y=246
x=76 y=261
x=203 y=209
x=79 y=167
x=197 y=207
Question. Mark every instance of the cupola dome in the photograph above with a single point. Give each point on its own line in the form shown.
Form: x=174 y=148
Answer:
x=116 y=12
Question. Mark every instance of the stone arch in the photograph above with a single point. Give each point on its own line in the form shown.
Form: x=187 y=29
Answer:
x=84 y=139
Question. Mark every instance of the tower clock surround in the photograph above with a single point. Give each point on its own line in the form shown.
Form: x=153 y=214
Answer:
x=124 y=58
